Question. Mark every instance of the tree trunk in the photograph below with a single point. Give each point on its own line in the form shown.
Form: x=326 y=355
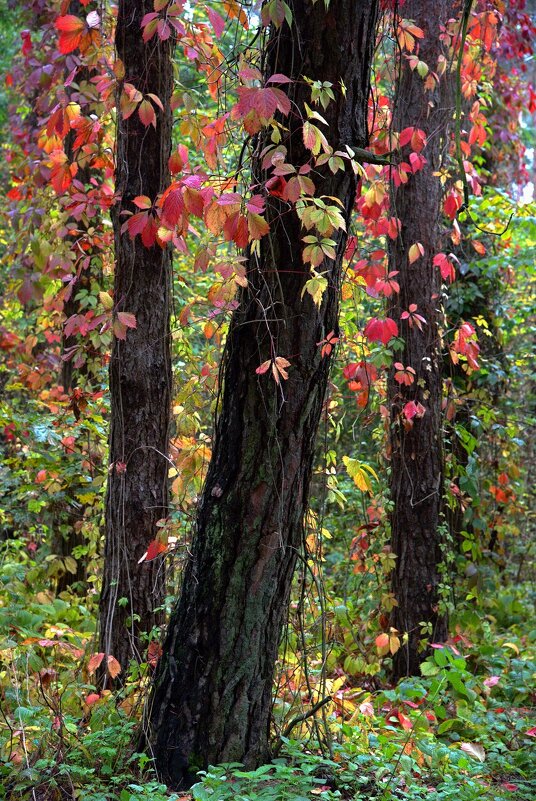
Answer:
x=140 y=368
x=212 y=697
x=416 y=445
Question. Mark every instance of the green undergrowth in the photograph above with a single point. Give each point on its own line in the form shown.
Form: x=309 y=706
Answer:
x=464 y=730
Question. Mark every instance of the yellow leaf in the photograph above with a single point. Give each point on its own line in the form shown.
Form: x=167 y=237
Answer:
x=356 y=471
x=315 y=287
x=106 y=300
x=415 y=252
x=511 y=645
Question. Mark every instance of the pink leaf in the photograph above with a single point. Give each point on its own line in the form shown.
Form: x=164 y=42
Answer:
x=278 y=77
x=127 y=319
x=217 y=22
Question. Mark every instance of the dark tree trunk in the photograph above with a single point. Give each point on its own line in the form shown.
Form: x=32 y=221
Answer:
x=416 y=446
x=140 y=368
x=212 y=696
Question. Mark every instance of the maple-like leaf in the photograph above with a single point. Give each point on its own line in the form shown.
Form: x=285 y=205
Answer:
x=413 y=317
x=122 y=321
x=315 y=287
x=135 y=224
x=279 y=368
x=452 y=203
x=142 y=202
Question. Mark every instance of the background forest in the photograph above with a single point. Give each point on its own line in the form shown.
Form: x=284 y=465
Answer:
x=267 y=400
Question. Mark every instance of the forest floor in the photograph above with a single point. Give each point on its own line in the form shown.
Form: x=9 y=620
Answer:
x=465 y=730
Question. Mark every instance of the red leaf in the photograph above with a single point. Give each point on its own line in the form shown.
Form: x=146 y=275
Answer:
x=452 y=204
x=412 y=409
x=172 y=207
x=164 y=30
x=155 y=548
x=404 y=721
x=71 y=29
x=136 y=224
x=259 y=105
x=381 y=330
x=446 y=267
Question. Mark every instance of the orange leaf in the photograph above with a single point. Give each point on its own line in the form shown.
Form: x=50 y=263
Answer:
x=94 y=662
x=257 y=226
x=114 y=668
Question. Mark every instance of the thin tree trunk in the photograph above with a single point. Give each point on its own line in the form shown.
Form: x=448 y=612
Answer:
x=140 y=368
x=212 y=696
x=417 y=459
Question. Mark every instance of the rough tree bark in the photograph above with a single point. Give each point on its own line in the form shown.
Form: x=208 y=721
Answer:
x=212 y=695
x=140 y=368
x=416 y=446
